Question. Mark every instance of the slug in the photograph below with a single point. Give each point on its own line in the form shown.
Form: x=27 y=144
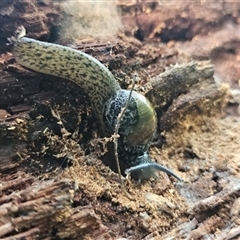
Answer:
x=107 y=99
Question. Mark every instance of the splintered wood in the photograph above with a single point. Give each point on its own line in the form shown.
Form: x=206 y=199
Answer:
x=33 y=209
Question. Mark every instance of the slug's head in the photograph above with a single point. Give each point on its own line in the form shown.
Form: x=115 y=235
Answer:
x=137 y=127
x=139 y=121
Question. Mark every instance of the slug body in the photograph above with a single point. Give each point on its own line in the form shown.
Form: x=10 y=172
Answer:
x=107 y=99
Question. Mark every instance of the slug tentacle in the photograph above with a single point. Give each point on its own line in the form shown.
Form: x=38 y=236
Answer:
x=107 y=98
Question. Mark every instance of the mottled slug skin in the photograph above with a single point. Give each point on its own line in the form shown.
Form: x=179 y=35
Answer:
x=86 y=71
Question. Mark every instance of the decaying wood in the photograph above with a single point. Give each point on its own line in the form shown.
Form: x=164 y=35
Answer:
x=184 y=89
x=204 y=217
x=31 y=208
x=68 y=222
x=231 y=234
x=202 y=99
x=43 y=209
x=39 y=16
x=177 y=80
x=232 y=189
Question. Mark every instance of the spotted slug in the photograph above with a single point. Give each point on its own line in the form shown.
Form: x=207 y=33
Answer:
x=107 y=99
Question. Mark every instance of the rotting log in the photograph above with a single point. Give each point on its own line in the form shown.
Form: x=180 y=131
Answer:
x=24 y=96
x=22 y=122
x=40 y=17
x=202 y=99
x=35 y=209
x=185 y=89
x=74 y=220
x=205 y=217
x=177 y=80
